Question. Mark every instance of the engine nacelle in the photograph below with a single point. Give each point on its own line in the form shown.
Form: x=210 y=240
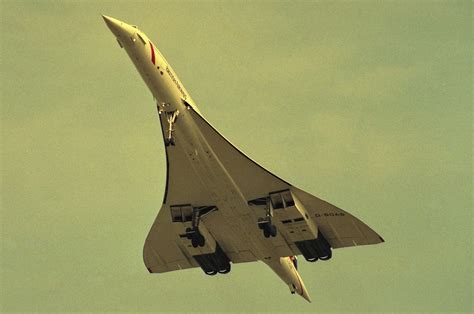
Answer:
x=291 y=217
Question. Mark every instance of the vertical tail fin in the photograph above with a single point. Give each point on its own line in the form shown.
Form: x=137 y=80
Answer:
x=286 y=270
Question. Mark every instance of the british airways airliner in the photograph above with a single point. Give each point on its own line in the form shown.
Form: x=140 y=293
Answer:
x=220 y=207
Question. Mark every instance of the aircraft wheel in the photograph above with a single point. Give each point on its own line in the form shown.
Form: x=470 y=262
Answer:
x=194 y=242
x=201 y=240
x=266 y=232
x=312 y=259
x=273 y=230
x=210 y=273
x=172 y=141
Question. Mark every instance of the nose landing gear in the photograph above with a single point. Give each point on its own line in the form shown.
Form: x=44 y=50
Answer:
x=171 y=117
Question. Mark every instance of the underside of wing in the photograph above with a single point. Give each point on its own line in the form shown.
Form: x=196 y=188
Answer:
x=252 y=179
x=163 y=251
x=340 y=228
x=192 y=188
x=230 y=195
x=172 y=244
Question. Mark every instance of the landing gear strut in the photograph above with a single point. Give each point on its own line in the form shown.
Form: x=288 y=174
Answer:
x=193 y=234
x=266 y=225
x=197 y=239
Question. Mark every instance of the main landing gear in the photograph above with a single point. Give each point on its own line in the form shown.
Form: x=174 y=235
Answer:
x=265 y=224
x=197 y=239
x=193 y=233
x=313 y=250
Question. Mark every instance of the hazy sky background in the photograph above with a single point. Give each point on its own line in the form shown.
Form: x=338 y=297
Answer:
x=365 y=104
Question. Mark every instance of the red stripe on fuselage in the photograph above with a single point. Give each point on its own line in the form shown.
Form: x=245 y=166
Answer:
x=152 y=53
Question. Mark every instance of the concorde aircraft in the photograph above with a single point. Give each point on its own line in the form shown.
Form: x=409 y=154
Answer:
x=220 y=207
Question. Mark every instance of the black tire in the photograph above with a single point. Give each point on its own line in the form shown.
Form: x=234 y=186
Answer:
x=273 y=230
x=194 y=242
x=210 y=273
x=266 y=232
x=201 y=240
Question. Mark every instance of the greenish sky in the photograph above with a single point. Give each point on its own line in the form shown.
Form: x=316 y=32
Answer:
x=365 y=104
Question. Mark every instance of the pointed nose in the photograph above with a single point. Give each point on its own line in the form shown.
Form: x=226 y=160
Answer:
x=118 y=28
x=306 y=295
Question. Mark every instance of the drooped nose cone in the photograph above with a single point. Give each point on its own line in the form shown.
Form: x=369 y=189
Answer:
x=118 y=28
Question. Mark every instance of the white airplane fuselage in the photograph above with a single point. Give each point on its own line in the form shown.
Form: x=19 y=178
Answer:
x=152 y=66
x=171 y=96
